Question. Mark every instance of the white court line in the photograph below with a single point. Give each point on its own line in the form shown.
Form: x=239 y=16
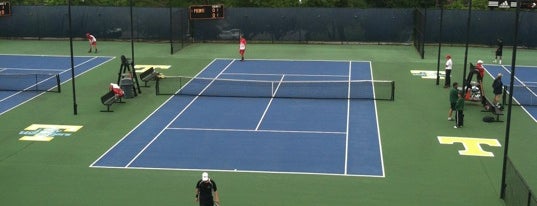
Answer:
x=143 y=121
x=213 y=129
x=177 y=116
x=47 y=55
x=269 y=103
x=255 y=130
x=63 y=71
x=238 y=171
x=348 y=119
x=31 y=69
x=61 y=83
x=292 y=75
x=517 y=79
x=377 y=122
x=295 y=60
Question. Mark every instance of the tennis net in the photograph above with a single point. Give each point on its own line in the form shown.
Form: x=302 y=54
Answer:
x=525 y=94
x=353 y=89
x=29 y=82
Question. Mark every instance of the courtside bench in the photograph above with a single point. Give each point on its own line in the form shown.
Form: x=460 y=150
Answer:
x=489 y=107
x=148 y=72
x=148 y=75
x=108 y=99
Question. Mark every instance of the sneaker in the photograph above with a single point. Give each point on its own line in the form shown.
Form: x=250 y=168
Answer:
x=449 y=119
x=455 y=127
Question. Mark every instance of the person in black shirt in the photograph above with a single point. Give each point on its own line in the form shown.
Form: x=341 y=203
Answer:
x=205 y=188
x=497 y=87
x=499 y=51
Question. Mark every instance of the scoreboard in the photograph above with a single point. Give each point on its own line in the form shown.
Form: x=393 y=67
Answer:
x=5 y=8
x=207 y=11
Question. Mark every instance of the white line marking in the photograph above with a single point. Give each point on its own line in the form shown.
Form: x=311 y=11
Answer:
x=211 y=129
x=293 y=75
x=348 y=119
x=517 y=79
x=256 y=130
x=241 y=171
x=177 y=116
x=143 y=121
x=377 y=121
x=269 y=103
x=63 y=82
x=6 y=69
x=296 y=60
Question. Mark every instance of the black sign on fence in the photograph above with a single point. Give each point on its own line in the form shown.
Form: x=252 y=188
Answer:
x=525 y=4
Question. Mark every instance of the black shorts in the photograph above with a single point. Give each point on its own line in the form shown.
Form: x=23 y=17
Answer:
x=498 y=52
x=453 y=106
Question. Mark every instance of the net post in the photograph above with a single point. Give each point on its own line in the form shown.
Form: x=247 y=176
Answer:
x=36 y=82
x=272 y=88
x=58 y=83
x=157 y=91
x=393 y=91
x=180 y=83
x=504 y=96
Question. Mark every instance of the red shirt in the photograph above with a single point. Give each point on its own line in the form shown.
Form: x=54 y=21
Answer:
x=91 y=39
x=242 y=44
x=481 y=70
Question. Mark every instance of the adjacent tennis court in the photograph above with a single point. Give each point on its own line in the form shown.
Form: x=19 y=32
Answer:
x=24 y=77
x=524 y=86
x=263 y=116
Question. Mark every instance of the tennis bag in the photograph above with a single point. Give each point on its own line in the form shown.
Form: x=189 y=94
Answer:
x=488 y=119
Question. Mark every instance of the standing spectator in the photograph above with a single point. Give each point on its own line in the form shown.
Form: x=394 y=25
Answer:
x=459 y=108
x=242 y=46
x=92 y=42
x=480 y=74
x=205 y=188
x=499 y=51
x=453 y=97
x=497 y=87
x=480 y=70
x=449 y=67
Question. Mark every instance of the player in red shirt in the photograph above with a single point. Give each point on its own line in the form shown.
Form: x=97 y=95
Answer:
x=481 y=73
x=242 y=46
x=92 y=42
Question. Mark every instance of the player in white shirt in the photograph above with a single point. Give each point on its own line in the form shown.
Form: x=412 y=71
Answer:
x=92 y=42
x=449 y=67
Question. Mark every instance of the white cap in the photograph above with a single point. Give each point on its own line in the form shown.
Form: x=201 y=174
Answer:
x=480 y=61
x=499 y=75
x=205 y=176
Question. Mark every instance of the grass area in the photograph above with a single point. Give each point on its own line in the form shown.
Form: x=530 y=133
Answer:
x=419 y=170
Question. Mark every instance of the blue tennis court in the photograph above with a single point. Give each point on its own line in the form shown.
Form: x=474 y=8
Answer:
x=525 y=85
x=24 y=77
x=330 y=136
